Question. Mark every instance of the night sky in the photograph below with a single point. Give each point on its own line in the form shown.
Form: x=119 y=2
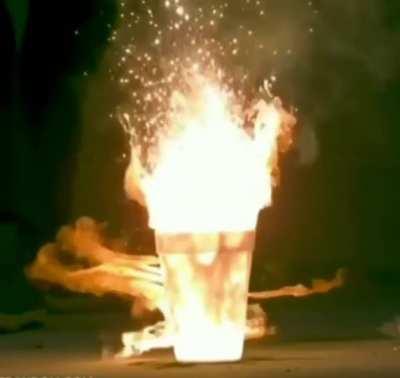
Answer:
x=337 y=205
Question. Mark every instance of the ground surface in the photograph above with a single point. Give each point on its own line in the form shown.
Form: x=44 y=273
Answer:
x=64 y=349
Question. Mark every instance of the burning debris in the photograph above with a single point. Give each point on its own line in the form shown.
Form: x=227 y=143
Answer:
x=80 y=261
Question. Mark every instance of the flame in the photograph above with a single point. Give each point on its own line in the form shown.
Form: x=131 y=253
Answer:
x=109 y=271
x=206 y=285
x=211 y=172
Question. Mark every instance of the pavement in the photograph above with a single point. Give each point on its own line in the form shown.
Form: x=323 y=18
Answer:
x=73 y=345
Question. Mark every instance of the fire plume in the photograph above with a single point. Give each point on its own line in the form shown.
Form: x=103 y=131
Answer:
x=212 y=168
x=210 y=172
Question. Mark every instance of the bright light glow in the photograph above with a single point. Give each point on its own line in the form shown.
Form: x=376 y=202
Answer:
x=211 y=173
x=207 y=292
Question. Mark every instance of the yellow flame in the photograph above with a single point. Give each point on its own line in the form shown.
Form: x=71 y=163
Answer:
x=206 y=284
x=211 y=174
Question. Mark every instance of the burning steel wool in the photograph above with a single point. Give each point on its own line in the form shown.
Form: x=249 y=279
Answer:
x=204 y=160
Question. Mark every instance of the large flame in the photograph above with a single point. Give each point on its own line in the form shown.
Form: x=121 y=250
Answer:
x=211 y=172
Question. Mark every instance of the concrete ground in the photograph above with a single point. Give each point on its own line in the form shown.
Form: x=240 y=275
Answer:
x=63 y=349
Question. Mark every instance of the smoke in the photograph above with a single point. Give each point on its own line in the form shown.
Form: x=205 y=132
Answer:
x=307 y=145
x=330 y=60
x=19 y=13
x=325 y=58
x=361 y=32
x=343 y=55
x=318 y=54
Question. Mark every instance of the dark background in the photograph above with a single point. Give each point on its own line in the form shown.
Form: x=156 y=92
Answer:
x=340 y=210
